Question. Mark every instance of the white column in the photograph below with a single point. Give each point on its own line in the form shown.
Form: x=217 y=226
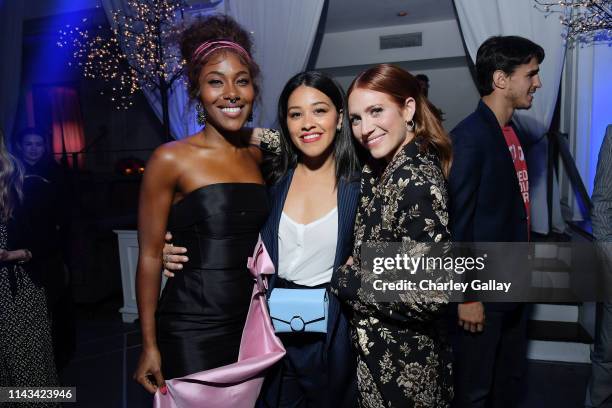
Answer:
x=128 y=258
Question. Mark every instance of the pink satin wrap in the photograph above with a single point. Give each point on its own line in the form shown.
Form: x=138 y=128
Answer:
x=236 y=385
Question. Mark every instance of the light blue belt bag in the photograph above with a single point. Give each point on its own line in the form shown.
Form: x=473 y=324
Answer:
x=299 y=310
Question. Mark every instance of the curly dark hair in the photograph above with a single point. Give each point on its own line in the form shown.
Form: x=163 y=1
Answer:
x=213 y=28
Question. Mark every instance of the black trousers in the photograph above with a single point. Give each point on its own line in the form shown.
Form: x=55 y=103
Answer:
x=489 y=365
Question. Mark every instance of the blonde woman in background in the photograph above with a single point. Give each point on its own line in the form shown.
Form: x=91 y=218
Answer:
x=26 y=353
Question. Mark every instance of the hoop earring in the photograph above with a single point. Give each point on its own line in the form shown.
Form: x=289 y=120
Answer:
x=201 y=114
x=410 y=125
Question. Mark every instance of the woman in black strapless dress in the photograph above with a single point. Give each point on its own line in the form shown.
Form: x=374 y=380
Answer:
x=202 y=311
x=208 y=190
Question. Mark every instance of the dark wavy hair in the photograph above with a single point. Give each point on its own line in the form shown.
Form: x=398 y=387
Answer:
x=344 y=146
x=400 y=85
x=208 y=29
x=503 y=53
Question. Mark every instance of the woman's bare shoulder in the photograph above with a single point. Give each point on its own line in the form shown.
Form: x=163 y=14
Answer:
x=172 y=159
x=167 y=153
x=179 y=150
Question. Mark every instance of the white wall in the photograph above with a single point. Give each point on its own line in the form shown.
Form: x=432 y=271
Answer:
x=441 y=39
x=450 y=88
x=442 y=58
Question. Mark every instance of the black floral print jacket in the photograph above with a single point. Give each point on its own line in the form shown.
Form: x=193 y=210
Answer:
x=403 y=358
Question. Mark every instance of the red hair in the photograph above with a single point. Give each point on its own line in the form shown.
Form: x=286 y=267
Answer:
x=401 y=85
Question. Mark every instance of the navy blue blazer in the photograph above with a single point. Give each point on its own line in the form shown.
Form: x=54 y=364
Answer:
x=486 y=204
x=348 y=197
x=340 y=357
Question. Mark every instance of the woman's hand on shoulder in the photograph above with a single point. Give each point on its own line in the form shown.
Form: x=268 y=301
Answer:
x=254 y=137
x=266 y=139
x=262 y=142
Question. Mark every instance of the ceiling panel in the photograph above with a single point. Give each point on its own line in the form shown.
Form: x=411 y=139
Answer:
x=345 y=15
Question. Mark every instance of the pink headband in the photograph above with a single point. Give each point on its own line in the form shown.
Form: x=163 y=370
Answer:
x=208 y=47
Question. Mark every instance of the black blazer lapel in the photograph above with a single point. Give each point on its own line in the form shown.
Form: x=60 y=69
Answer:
x=269 y=233
x=506 y=165
x=347 y=197
x=348 y=194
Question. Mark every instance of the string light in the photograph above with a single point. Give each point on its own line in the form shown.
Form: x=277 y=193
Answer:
x=141 y=51
x=587 y=21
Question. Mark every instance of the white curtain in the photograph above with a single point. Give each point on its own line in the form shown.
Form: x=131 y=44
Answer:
x=283 y=33
x=182 y=114
x=11 y=21
x=481 y=19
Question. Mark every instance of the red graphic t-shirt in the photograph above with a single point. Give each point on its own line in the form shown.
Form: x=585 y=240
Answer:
x=520 y=165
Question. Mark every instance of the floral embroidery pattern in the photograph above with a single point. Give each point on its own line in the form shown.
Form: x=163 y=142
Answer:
x=403 y=360
x=270 y=140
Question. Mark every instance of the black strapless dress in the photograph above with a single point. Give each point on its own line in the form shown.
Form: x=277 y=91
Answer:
x=202 y=310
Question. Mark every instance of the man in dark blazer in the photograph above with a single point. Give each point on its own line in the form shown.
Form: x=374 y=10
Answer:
x=489 y=195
